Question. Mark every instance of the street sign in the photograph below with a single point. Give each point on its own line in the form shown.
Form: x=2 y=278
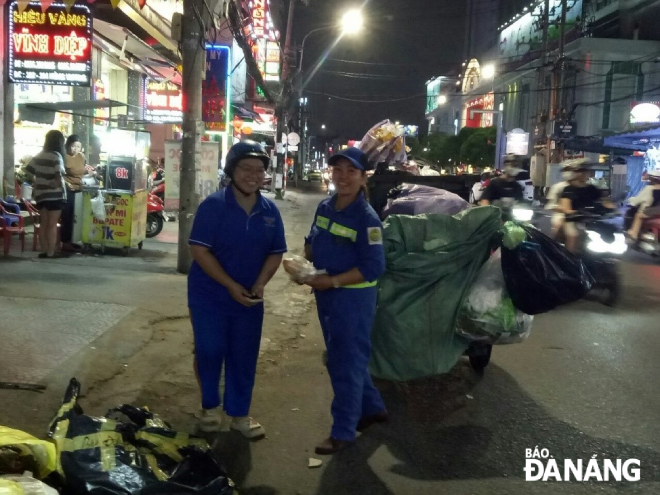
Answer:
x=294 y=139
x=293 y=147
x=517 y=142
x=284 y=140
x=565 y=128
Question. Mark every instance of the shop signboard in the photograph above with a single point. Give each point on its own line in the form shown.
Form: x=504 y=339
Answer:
x=51 y=47
x=214 y=87
x=564 y=128
x=517 y=142
x=207 y=177
x=645 y=112
x=163 y=103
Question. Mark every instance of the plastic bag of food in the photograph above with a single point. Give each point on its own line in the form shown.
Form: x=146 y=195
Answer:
x=541 y=274
x=385 y=143
x=131 y=451
x=98 y=207
x=488 y=315
x=20 y=452
x=300 y=269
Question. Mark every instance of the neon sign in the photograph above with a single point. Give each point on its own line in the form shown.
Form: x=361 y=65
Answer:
x=214 y=87
x=164 y=102
x=52 y=47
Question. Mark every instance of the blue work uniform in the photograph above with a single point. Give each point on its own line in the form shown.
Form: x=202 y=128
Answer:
x=340 y=241
x=224 y=329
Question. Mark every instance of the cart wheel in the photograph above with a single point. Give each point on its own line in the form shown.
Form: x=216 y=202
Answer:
x=140 y=244
x=480 y=357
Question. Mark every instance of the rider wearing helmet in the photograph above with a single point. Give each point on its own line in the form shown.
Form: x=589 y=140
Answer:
x=579 y=195
x=648 y=198
x=237 y=242
x=554 y=195
x=506 y=185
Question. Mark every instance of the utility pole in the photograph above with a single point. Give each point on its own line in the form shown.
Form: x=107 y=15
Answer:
x=558 y=84
x=194 y=61
x=282 y=104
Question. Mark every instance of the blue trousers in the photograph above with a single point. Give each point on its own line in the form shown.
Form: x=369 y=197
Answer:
x=234 y=341
x=346 y=317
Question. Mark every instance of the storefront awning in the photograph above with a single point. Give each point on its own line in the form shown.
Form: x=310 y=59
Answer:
x=130 y=44
x=44 y=113
x=640 y=139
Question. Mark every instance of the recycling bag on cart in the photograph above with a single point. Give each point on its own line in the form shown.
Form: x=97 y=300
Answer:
x=541 y=274
x=141 y=455
x=432 y=260
x=488 y=315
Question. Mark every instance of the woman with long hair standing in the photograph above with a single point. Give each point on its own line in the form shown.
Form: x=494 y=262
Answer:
x=49 y=190
x=346 y=241
x=74 y=165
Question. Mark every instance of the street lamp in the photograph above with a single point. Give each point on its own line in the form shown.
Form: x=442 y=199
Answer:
x=442 y=99
x=351 y=22
x=323 y=126
x=488 y=71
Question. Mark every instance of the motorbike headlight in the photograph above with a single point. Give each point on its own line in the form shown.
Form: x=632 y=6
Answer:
x=331 y=187
x=522 y=214
x=596 y=244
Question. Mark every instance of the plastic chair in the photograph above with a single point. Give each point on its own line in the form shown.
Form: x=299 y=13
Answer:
x=13 y=212
x=35 y=217
x=8 y=230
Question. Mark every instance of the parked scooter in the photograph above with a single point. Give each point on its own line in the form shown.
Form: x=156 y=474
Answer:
x=601 y=245
x=155 y=215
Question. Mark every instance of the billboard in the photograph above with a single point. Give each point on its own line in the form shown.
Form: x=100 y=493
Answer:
x=526 y=33
x=432 y=94
x=51 y=47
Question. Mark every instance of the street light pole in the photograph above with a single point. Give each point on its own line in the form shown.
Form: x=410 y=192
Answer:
x=281 y=107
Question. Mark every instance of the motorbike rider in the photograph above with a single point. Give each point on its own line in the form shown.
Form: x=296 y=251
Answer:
x=579 y=195
x=648 y=198
x=479 y=187
x=554 y=196
x=504 y=186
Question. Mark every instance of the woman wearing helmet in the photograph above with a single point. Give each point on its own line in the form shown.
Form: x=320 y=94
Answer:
x=237 y=242
x=648 y=198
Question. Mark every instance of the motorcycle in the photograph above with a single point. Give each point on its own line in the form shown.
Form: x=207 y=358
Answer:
x=649 y=234
x=601 y=244
x=155 y=215
x=515 y=210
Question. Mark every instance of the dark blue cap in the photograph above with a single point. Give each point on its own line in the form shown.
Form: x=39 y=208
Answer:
x=356 y=156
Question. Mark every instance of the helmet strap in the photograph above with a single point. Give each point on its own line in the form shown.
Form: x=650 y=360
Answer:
x=247 y=195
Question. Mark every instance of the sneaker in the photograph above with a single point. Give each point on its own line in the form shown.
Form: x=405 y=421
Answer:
x=248 y=427
x=210 y=420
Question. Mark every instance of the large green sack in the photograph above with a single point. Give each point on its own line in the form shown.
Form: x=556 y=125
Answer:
x=432 y=260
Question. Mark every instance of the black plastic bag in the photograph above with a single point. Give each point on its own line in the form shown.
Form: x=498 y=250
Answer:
x=541 y=274
x=137 y=456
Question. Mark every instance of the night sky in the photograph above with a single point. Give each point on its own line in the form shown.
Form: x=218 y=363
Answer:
x=404 y=43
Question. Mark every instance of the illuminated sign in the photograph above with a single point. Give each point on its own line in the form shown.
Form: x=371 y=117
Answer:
x=647 y=112
x=163 y=103
x=485 y=102
x=52 y=47
x=432 y=94
x=100 y=114
x=214 y=87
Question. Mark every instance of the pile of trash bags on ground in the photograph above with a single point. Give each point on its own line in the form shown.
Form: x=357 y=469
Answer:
x=455 y=281
x=415 y=199
x=129 y=451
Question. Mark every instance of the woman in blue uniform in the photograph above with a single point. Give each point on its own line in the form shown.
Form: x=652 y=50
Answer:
x=346 y=241
x=237 y=242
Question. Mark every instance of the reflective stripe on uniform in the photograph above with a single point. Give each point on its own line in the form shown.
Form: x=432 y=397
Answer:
x=363 y=285
x=322 y=222
x=341 y=231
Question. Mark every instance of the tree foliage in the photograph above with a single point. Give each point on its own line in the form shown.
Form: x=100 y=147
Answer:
x=479 y=148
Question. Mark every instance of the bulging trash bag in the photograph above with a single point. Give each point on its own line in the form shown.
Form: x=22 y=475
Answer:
x=541 y=274
x=488 y=315
x=21 y=452
x=415 y=199
x=141 y=455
